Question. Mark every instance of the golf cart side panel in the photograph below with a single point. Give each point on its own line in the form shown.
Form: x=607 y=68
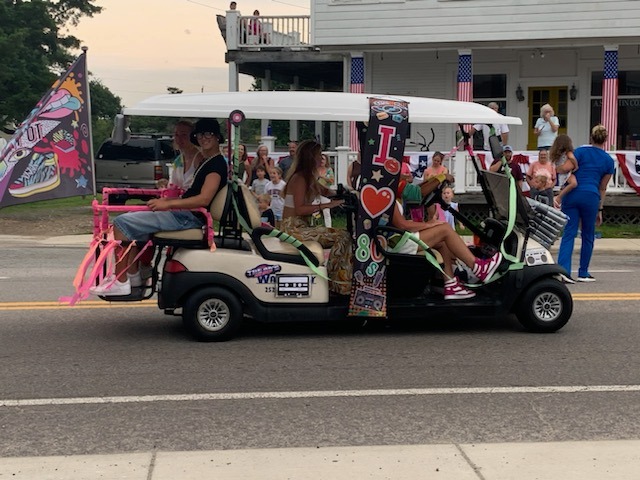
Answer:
x=177 y=287
x=254 y=272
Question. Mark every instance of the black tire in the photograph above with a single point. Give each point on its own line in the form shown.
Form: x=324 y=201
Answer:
x=545 y=307
x=212 y=315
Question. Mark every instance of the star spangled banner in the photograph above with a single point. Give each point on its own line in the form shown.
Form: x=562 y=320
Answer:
x=610 y=97
x=49 y=155
x=356 y=85
x=465 y=78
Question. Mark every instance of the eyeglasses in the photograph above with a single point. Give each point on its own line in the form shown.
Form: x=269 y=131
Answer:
x=206 y=135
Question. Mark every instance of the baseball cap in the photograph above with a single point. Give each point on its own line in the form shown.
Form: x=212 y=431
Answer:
x=507 y=148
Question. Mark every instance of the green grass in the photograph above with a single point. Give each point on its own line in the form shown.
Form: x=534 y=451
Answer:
x=59 y=203
x=619 y=231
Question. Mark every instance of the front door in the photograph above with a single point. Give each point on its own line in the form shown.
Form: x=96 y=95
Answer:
x=557 y=97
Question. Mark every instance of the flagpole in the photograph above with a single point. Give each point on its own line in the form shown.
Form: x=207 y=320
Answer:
x=88 y=100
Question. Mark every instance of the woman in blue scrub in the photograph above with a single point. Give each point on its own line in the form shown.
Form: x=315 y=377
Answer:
x=584 y=204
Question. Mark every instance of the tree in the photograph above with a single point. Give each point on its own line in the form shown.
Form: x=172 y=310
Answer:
x=35 y=49
x=104 y=107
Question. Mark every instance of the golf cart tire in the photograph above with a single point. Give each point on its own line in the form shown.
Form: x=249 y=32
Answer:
x=212 y=315
x=545 y=307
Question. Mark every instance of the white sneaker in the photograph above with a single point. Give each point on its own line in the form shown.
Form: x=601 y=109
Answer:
x=566 y=279
x=109 y=288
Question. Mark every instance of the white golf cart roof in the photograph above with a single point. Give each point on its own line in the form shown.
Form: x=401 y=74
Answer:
x=325 y=106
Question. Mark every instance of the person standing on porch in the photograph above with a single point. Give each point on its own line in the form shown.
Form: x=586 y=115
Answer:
x=501 y=130
x=584 y=204
x=546 y=128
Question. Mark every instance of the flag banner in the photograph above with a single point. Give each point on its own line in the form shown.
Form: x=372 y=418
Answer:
x=381 y=163
x=356 y=85
x=609 y=117
x=465 y=78
x=49 y=155
x=630 y=165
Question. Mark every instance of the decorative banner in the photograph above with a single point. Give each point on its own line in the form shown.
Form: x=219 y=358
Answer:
x=49 y=155
x=381 y=161
x=630 y=166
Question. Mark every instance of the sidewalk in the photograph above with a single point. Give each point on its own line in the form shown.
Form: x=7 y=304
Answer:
x=595 y=460
x=614 y=246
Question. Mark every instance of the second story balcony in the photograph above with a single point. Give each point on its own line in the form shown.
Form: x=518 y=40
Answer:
x=243 y=32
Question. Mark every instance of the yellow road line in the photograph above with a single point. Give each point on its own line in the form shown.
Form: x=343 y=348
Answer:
x=99 y=304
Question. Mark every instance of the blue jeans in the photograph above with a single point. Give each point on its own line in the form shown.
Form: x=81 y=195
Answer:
x=582 y=208
x=140 y=225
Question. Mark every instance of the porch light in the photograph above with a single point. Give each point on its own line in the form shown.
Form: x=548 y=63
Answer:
x=573 y=92
x=519 y=93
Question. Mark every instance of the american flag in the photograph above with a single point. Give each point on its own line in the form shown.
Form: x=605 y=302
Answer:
x=610 y=97
x=465 y=78
x=356 y=86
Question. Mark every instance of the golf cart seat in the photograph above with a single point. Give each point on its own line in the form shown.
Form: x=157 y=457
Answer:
x=219 y=209
x=272 y=248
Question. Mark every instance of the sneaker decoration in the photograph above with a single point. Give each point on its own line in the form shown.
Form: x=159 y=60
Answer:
x=41 y=175
x=48 y=155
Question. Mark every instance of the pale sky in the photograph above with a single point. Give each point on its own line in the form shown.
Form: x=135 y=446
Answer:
x=138 y=48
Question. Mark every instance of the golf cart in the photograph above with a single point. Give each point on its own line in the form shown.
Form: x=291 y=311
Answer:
x=247 y=269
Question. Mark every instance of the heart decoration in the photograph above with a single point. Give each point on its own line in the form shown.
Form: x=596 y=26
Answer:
x=376 y=201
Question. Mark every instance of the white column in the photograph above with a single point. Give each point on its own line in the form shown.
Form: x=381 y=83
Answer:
x=460 y=171
x=342 y=163
x=265 y=84
x=233 y=77
x=232 y=30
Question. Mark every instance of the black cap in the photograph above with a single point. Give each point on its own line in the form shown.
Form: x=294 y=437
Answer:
x=207 y=125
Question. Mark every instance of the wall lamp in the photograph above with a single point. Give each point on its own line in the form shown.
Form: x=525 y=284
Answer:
x=573 y=92
x=519 y=93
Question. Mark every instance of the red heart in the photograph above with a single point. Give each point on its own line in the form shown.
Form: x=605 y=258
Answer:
x=376 y=201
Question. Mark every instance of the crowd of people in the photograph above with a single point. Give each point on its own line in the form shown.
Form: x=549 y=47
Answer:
x=573 y=180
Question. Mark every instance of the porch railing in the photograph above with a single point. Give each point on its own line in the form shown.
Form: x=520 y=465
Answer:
x=291 y=32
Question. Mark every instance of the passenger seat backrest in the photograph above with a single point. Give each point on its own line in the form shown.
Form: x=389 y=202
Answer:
x=251 y=206
x=217 y=207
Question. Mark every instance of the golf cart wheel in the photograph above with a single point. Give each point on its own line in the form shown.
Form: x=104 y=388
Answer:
x=545 y=307
x=212 y=315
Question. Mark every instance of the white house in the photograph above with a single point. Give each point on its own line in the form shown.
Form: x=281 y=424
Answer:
x=523 y=54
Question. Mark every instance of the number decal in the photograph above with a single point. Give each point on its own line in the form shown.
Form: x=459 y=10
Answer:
x=362 y=251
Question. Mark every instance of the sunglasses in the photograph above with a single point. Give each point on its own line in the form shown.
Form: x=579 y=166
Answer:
x=205 y=135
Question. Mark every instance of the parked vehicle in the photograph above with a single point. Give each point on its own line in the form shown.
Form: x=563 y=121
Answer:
x=137 y=163
x=251 y=272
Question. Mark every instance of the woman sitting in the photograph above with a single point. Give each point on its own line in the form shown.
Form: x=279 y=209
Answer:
x=439 y=235
x=210 y=176
x=300 y=193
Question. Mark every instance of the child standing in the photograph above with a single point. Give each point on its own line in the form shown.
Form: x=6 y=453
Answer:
x=266 y=214
x=259 y=185
x=560 y=153
x=447 y=196
x=275 y=188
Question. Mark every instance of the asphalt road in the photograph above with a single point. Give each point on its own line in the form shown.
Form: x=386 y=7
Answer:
x=112 y=379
